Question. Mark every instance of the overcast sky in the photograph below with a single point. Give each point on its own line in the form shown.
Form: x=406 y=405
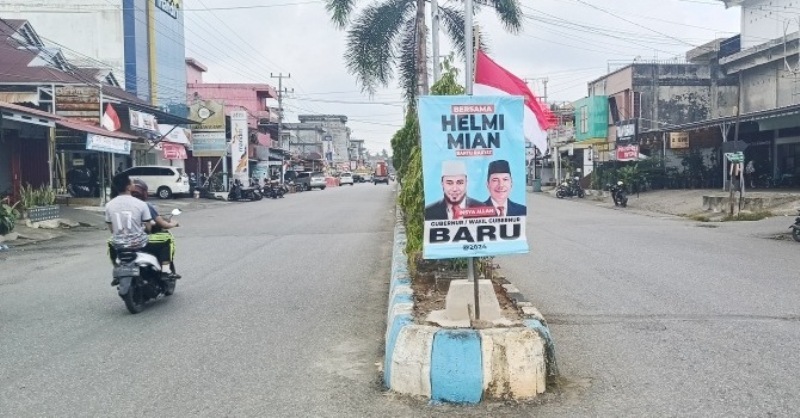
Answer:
x=570 y=42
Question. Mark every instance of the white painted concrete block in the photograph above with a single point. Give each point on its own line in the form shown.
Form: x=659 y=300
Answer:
x=513 y=363
x=411 y=362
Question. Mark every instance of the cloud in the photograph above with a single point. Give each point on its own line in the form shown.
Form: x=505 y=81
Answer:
x=571 y=42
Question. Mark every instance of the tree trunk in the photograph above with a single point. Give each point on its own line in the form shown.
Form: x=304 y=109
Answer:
x=422 y=50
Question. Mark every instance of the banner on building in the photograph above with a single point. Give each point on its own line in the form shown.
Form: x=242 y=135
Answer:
x=173 y=151
x=107 y=144
x=143 y=121
x=473 y=159
x=627 y=131
x=628 y=153
x=208 y=136
x=239 y=157
x=678 y=140
x=175 y=134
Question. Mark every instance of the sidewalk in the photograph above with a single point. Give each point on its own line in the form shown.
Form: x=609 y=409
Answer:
x=688 y=203
x=74 y=218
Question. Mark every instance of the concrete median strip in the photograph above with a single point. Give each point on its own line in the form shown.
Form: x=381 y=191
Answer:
x=462 y=365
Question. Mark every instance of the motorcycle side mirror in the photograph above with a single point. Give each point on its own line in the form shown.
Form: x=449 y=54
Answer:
x=176 y=212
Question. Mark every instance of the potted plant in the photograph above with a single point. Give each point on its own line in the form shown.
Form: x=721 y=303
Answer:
x=8 y=216
x=39 y=204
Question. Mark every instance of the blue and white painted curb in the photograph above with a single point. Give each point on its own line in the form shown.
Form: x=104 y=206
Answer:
x=462 y=365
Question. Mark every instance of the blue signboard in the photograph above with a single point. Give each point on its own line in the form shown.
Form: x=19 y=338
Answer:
x=473 y=164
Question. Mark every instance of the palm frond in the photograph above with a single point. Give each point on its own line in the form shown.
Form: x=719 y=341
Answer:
x=370 y=53
x=510 y=14
x=407 y=49
x=340 y=11
x=453 y=20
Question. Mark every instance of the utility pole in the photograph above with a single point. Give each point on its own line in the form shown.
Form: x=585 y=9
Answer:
x=281 y=92
x=544 y=81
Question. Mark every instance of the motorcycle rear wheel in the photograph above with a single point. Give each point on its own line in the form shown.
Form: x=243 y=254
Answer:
x=134 y=300
x=796 y=234
x=560 y=194
x=581 y=194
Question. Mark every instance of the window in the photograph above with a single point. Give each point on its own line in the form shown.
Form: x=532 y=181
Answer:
x=135 y=171
x=584 y=119
x=637 y=105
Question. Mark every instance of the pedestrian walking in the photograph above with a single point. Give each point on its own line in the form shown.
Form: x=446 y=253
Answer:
x=750 y=171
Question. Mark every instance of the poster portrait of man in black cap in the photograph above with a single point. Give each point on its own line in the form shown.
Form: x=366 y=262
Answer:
x=499 y=183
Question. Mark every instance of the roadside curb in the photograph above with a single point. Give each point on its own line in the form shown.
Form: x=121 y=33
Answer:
x=463 y=366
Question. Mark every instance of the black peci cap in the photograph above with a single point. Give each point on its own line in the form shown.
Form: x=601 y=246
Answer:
x=498 y=166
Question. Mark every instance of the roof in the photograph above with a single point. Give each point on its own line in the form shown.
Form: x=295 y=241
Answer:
x=29 y=111
x=196 y=64
x=262 y=90
x=791 y=110
x=94 y=129
x=26 y=62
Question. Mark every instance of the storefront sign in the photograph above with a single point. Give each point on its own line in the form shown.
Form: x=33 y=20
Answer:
x=627 y=131
x=173 y=151
x=209 y=144
x=107 y=144
x=143 y=121
x=628 y=153
x=208 y=136
x=679 y=140
x=473 y=164
x=169 y=7
x=239 y=158
x=177 y=135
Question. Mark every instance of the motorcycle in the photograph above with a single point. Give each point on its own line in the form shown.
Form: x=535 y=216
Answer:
x=618 y=194
x=81 y=182
x=239 y=192
x=274 y=189
x=256 y=188
x=570 y=189
x=138 y=277
x=796 y=227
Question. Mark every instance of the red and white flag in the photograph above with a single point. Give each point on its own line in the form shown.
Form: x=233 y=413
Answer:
x=494 y=80
x=111 y=119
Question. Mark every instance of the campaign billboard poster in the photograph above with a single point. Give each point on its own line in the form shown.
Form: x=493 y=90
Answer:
x=239 y=141
x=473 y=166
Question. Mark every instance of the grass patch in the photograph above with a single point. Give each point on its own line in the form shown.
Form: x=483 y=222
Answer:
x=700 y=218
x=748 y=216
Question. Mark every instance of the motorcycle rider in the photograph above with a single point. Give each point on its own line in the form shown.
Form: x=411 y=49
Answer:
x=160 y=243
x=127 y=218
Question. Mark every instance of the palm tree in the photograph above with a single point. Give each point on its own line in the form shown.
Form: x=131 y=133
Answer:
x=392 y=33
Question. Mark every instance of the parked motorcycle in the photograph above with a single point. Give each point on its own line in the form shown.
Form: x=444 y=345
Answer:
x=81 y=182
x=618 y=194
x=257 y=195
x=570 y=189
x=274 y=189
x=138 y=277
x=239 y=192
x=796 y=227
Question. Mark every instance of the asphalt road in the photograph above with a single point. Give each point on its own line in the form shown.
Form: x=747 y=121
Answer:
x=281 y=314
x=658 y=316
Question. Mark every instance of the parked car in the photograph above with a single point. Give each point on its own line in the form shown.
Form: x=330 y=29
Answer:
x=162 y=180
x=367 y=178
x=357 y=178
x=346 y=178
x=311 y=180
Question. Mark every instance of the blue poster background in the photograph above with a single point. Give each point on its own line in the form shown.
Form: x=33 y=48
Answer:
x=435 y=151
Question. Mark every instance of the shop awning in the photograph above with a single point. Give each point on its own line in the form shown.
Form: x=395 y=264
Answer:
x=25 y=114
x=95 y=130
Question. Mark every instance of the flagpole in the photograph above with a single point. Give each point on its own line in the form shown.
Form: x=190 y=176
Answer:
x=469 y=66
x=469 y=51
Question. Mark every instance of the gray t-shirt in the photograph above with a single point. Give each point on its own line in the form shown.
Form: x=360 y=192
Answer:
x=127 y=216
